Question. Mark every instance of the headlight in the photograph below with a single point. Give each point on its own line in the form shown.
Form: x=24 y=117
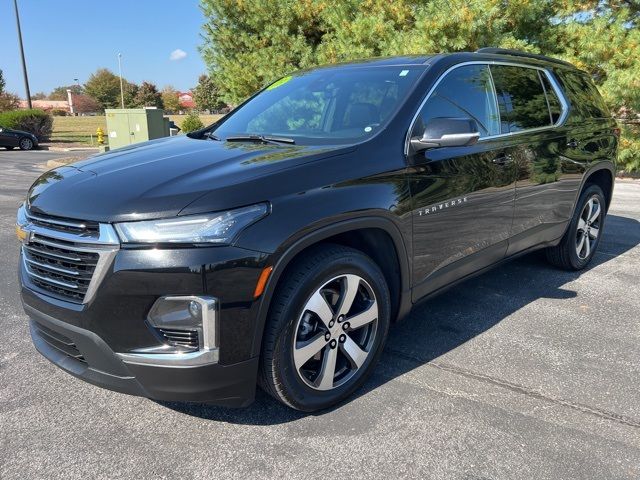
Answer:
x=220 y=227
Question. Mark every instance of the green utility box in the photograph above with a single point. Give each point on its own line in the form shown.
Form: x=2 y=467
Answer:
x=132 y=125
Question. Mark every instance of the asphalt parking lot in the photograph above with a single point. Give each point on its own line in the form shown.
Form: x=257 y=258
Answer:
x=524 y=372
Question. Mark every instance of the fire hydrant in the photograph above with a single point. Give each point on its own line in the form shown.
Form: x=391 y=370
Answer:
x=100 y=134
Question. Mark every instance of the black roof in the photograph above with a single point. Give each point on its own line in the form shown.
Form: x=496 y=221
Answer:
x=518 y=53
x=488 y=53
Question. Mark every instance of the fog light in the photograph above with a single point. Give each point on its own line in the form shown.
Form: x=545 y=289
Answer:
x=194 y=309
x=178 y=317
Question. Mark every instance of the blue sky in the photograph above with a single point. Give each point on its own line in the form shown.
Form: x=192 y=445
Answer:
x=67 y=39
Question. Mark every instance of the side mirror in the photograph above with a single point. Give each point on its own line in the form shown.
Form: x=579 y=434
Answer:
x=447 y=132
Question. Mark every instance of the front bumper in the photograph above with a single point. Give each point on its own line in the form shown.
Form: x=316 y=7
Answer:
x=110 y=331
x=85 y=355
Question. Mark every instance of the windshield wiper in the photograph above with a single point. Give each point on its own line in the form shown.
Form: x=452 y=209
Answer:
x=259 y=138
x=211 y=136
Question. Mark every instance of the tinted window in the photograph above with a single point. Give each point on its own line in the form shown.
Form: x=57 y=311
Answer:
x=324 y=106
x=522 y=101
x=465 y=92
x=555 y=107
x=586 y=101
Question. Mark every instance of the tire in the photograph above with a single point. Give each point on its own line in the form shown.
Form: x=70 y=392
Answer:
x=581 y=240
x=324 y=277
x=26 y=143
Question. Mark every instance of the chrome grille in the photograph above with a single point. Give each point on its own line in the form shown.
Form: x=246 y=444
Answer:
x=64 y=224
x=66 y=258
x=59 y=268
x=181 y=338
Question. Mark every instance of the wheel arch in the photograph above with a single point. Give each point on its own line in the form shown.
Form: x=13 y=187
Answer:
x=362 y=234
x=604 y=177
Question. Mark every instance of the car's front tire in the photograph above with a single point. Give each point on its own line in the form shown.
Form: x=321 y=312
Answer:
x=579 y=244
x=327 y=326
x=26 y=144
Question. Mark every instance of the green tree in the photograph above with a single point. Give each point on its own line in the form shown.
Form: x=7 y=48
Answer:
x=104 y=87
x=60 y=93
x=148 y=96
x=190 y=123
x=251 y=43
x=170 y=99
x=206 y=95
x=130 y=90
x=3 y=83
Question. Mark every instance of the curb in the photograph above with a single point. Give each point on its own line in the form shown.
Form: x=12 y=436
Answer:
x=71 y=149
x=59 y=162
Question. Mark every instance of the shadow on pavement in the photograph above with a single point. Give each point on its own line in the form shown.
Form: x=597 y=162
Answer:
x=449 y=320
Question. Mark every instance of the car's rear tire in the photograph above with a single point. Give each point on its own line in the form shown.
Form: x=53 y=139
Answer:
x=579 y=243
x=26 y=143
x=326 y=329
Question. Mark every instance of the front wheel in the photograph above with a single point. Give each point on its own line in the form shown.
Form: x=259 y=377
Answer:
x=326 y=329
x=579 y=244
x=26 y=144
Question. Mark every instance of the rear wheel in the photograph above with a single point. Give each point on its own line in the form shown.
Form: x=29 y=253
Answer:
x=579 y=244
x=326 y=330
x=26 y=143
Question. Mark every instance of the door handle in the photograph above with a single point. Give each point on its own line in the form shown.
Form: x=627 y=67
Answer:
x=573 y=144
x=502 y=160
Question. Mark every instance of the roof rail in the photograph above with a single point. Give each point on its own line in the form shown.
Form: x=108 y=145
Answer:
x=518 y=53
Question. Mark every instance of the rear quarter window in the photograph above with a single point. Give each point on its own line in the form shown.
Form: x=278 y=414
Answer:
x=586 y=101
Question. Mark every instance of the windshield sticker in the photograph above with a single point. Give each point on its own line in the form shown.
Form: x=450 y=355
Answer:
x=403 y=73
x=280 y=82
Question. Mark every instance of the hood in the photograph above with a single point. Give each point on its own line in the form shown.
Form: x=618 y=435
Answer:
x=160 y=178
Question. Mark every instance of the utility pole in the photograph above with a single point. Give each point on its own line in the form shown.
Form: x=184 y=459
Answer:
x=24 y=65
x=120 y=73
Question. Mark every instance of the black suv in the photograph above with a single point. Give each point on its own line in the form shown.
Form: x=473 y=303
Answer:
x=276 y=246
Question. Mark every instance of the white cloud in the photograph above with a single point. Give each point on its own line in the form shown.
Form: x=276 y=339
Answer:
x=177 y=54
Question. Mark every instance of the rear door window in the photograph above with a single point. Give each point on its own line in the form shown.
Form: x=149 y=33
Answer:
x=555 y=107
x=521 y=97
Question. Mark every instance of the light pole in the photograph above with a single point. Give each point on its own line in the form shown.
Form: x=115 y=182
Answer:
x=120 y=73
x=24 y=65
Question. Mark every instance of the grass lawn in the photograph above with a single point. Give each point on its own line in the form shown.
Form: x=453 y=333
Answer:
x=69 y=131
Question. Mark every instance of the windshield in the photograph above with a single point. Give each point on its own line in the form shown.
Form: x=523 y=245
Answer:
x=324 y=106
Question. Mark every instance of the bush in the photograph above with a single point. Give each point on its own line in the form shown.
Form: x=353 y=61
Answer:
x=34 y=121
x=629 y=155
x=191 y=122
x=58 y=112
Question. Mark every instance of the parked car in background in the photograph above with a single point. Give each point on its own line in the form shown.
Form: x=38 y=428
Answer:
x=11 y=139
x=278 y=245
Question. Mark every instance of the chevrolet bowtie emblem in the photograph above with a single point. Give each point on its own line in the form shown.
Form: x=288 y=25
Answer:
x=23 y=235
